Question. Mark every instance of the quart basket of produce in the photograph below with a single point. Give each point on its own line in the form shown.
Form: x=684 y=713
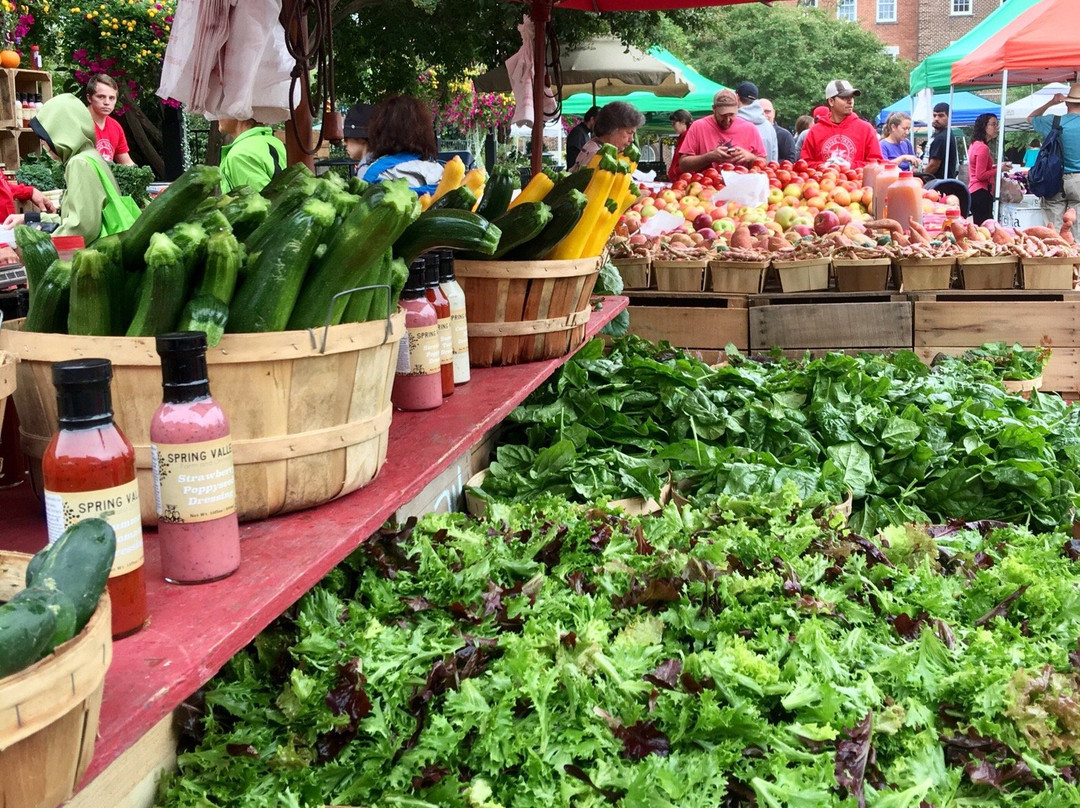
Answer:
x=987 y=271
x=861 y=274
x=737 y=277
x=308 y=425
x=803 y=274
x=526 y=311
x=49 y=710
x=1048 y=272
x=926 y=273
x=635 y=272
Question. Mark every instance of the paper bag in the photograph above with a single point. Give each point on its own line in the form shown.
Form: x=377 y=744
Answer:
x=746 y=189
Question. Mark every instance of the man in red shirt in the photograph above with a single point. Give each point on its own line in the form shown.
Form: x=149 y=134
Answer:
x=843 y=138
x=720 y=138
x=101 y=92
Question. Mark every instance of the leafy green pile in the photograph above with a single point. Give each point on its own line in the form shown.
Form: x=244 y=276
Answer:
x=1013 y=362
x=755 y=655
x=911 y=443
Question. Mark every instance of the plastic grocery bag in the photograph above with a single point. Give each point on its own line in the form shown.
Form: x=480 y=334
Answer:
x=519 y=67
x=661 y=222
x=746 y=189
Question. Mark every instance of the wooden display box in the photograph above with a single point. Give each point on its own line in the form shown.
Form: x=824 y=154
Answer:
x=862 y=274
x=679 y=276
x=737 y=277
x=636 y=272
x=1048 y=273
x=988 y=271
x=14 y=81
x=16 y=144
x=851 y=326
x=691 y=326
x=926 y=273
x=805 y=275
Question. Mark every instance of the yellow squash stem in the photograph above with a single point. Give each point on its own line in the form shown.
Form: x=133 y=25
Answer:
x=475 y=180
x=596 y=192
x=452 y=177
x=535 y=191
x=425 y=201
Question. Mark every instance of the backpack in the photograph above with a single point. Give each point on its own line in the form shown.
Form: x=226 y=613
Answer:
x=120 y=211
x=1046 y=177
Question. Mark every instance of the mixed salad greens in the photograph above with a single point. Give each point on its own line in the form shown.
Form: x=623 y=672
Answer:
x=911 y=443
x=754 y=653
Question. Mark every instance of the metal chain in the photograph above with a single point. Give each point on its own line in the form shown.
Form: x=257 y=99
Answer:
x=310 y=48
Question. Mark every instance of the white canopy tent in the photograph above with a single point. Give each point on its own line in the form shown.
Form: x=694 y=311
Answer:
x=1016 y=113
x=552 y=129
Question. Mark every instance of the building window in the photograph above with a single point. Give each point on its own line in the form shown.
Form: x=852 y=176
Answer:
x=845 y=10
x=893 y=51
x=807 y=3
x=886 y=10
x=960 y=7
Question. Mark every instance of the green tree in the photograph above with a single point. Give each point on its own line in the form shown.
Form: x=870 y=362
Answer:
x=790 y=52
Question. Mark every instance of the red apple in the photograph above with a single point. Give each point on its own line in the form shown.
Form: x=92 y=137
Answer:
x=803 y=229
x=708 y=233
x=702 y=220
x=825 y=222
x=757 y=229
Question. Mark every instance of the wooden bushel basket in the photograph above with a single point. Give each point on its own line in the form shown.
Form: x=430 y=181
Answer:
x=987 y=271
x=49 y=711
x=308 y=425
x=526 y=311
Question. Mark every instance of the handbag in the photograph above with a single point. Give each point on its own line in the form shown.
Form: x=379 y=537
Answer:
x=120 y=210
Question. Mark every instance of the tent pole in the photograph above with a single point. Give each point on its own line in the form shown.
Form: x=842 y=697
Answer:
x=1001 y=145
x=948 y=137
x=540 y=13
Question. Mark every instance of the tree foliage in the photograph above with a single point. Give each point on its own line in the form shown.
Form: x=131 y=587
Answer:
x=790 y=52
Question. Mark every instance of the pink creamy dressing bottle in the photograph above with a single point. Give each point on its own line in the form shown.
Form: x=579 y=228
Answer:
x=418 y=378
x=194 y=484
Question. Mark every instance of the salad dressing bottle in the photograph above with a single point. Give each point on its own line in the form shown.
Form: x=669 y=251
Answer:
x=418 y=376
x=459 y=326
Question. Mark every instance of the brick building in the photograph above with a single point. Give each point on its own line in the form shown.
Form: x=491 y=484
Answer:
x=911 y=29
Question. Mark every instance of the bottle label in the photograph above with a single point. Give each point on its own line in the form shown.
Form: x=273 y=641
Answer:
x=446 y=340
x=460 y=331
x=118 y=506
x=194 y=482
x=404 y=361
x=422 y=356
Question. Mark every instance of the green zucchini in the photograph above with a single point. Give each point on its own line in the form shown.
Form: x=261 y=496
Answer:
x=223 y=259
x=520 y=224
x=354 y=254
x=27 y=626
x=246 y=213
x=64 y=608
x=564 y=217
x=285 y=179
x=356 y=185
x=171 y=206
x=498 y=192
x=215 y=220
x=162 y=291
x=89 y=311
x=576 y=181
x=376 y=304
x=205 y=313
x=49 y=302
x=461 y=198
x=37 y=251
x=78 y=563
x=457 y=229
x=268 y=294
x=282 y=207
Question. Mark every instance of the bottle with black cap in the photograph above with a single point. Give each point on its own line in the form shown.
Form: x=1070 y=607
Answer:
x=89 y=471
x=194 y=482
x=418 y=376
x=459 y=326
x=437 y=298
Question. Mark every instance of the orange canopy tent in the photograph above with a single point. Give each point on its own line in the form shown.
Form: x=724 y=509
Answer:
x=1039 y=46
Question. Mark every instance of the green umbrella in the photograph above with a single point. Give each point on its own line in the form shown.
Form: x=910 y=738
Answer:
x=935 y=71
x=698 y=100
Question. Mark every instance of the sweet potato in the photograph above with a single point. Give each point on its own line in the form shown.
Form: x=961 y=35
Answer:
x=778 y=243
x=999 y=236
x=972 y=232
x=958 y=228
x=1041 y=232
x=741 y=238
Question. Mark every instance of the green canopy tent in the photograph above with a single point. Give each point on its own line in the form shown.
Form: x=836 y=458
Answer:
x=698 y=100
x=935 y=71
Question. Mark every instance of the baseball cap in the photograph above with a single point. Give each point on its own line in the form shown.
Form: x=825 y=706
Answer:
x=747 y=90
x=357 y=119
x=839 y=87
x=725 y=99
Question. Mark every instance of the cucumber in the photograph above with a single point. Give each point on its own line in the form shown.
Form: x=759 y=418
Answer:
x=171 y=206
x=498 y=192
x=37 y=252
x=564 y=217
x=275 y=275
x=89 y=311
x=162 y=291
x=78 y=563
x=354 y=255
x=458 y=229
x=27 y=625
x=49 y=303
x=205 y=313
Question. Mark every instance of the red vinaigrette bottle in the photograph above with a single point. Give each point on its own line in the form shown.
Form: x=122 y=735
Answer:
x=418 y=378
x=437 y=298
x=194 y=482
x=89 y=470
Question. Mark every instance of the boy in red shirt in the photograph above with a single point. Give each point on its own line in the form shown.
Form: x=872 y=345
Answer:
x=843 y=139
x=111 y=142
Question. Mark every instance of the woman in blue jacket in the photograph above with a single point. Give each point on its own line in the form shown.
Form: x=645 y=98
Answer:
x=402 y=136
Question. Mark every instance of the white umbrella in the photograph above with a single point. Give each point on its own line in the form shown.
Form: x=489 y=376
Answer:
x=1017 y=112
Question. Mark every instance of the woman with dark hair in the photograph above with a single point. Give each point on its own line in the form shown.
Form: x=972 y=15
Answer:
x=802 y=126
x=616 y=123
x=402 y=139
x=680 y=122
x=981 y=169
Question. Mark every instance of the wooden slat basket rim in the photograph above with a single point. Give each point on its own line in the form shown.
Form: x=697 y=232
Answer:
x=987 y=260
x=515 y=270
x=697 y=263
x=797 y=263
x=1043 y=261
x=937 y=261
x=34 y=697
x=855 y=263
x=724 y=263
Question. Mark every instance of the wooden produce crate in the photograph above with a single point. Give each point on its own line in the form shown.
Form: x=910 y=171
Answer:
x=805 y=275
x=17 y=80
x=954 y=326
x=636 y=272
x=1048 y=273
x=926 y=273
x=679 y=276
x=988 y=271
x=690 y=323
x=737 y=277
x=15 y=145
x=851 y=326
x=862 y=274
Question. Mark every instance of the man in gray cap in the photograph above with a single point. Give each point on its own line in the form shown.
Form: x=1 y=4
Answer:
x=842 y=139
x=356 y=133
x=720 y=138
x=751 y=112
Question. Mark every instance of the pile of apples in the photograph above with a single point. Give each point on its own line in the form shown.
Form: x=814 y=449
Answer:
x=803 y=201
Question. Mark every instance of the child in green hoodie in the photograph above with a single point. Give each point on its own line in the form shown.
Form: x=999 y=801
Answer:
x=67 y=131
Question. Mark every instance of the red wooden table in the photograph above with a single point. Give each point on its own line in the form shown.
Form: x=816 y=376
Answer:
x=194 y=630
